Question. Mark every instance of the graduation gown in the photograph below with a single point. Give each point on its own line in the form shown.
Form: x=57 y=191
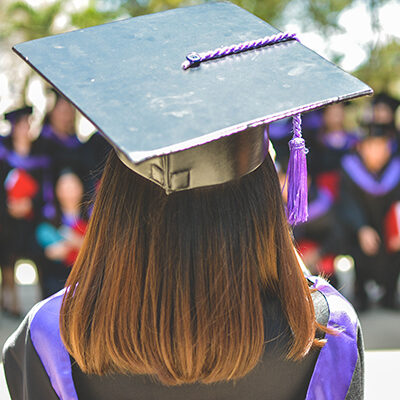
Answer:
x=17 y=235
x=321 y=232
x=365 y=200
x=326 y=153
x=37 y=365
x=66 y=152
x=321 y=226
x=85 y=159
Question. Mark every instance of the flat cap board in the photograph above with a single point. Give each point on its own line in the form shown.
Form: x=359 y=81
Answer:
x=126 y=77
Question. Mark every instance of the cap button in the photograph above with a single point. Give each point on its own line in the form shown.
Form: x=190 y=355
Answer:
x=194 y=59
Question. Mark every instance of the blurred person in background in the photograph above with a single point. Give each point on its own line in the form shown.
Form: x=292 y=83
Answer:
x=319 y=239
x=67 y=151
x=61 y=236
x=22 y=174
x=59 y=137
x=384 y=116
x=331 y=142
x=370 y=185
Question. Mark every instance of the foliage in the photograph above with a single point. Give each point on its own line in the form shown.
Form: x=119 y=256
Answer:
x=133 y=7
x=382 y=69
x=30 y=22
x=270 y=10
x=91 y=16
x=324 y=14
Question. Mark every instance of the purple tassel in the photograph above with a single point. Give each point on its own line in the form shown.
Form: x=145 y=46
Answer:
x=297 y=202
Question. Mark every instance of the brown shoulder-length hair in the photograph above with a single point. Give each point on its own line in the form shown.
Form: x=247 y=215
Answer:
x=172 y=285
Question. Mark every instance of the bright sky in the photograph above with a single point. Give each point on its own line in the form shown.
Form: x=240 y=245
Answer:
x=357 y=34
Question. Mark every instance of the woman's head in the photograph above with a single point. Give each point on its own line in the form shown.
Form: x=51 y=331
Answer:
x=20 y=124
x=333 y=117
x=384 y=109
x=171 y=285
x=62 y=117
x=375 y=152
x=21 y=131
x=69 y=190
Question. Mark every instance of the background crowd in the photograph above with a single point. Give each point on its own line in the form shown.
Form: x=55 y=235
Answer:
x=47 y=183
x=48 y=173
x=354 y=194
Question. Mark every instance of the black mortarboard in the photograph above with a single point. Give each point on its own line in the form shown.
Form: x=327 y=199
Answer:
x=15 y=115
x=195 y=127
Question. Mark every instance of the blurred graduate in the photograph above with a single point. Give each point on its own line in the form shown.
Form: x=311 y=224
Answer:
x=331 y=142
x=23 y=168
x=370 y=189
x=61 y=235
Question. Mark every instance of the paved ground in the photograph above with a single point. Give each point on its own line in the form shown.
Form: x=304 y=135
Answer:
x=381 y=333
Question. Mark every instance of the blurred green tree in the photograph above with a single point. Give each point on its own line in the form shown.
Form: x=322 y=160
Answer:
x=23 y=22
x=92 y=15
x=29 y=22
x=381 y=70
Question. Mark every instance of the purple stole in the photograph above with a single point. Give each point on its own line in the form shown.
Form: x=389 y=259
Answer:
x=340 y=140
x=69 y=142
x=337 y=360
x=331 y=378
x=46 y=339
x=375 y=186
x=320 y=205
x=27 y=163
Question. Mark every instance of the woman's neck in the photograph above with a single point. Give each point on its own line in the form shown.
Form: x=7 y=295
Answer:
x=334 y=128
x=22 y=147
x=61 y=133
x=70 y=209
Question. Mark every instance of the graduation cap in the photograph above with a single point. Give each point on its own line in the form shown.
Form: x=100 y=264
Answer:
x=15 y=115
x=180 y=109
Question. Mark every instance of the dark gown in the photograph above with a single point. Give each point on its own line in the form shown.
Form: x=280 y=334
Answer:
x=326 y=153
x=365 y=200
x=85 y=159
x=37 y=365
x=65 y=152
x=17 y=235
x=321 y=231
